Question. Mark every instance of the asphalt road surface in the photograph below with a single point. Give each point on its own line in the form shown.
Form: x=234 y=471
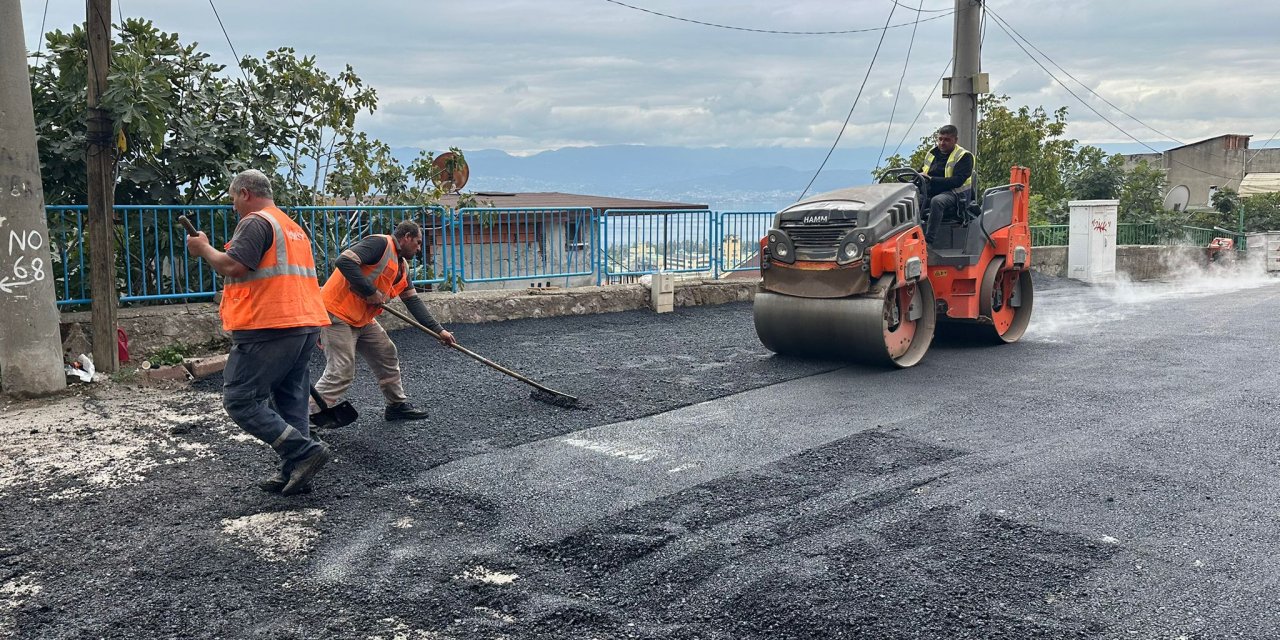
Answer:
x=1113 y=475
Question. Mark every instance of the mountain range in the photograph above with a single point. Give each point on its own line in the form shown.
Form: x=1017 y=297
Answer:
x=724 y=178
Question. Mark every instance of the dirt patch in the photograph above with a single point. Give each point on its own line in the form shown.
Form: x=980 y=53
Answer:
x=276 y=536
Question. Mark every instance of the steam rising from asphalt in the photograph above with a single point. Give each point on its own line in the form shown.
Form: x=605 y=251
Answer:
x=1062 y=312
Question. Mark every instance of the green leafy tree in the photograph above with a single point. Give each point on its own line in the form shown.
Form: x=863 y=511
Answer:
x=1007 y=137
x=1091 y=174
x=1262 y=212
x=1141 y=197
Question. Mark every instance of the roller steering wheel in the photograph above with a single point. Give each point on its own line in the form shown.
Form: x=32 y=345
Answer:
x=907 y=175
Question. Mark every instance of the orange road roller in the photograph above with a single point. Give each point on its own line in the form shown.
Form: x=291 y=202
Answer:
x=848 y=275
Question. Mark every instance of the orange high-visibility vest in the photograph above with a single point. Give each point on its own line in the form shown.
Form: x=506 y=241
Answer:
x=349 y=306
x=283 y=291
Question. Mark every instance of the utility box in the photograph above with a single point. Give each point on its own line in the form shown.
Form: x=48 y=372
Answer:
x=662 y=292
x=1091 y=251
x=1264 y=247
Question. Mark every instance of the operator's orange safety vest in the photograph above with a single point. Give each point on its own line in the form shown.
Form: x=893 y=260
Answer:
x=283 y=291
x=349 y=306
x=956 y=154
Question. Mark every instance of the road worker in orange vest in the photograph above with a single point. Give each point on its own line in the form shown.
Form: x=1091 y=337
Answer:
x=370 y=273
x=272 y=307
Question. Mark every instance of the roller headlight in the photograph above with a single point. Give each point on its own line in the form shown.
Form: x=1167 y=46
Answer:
x=781 y=247
x=850 y=250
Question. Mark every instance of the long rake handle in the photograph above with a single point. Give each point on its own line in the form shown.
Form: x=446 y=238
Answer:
x=475 y=356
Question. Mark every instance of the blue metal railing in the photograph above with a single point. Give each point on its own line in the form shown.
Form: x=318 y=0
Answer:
x=471 y=245
x=641 y=241
x=738 y=234
x=333 y=229
x=523 y=244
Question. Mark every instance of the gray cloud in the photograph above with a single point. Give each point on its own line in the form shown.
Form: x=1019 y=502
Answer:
x=526 y=75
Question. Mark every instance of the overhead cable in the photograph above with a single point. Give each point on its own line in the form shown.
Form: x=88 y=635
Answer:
x=239 y=66
x=898 y=94
x=854 y=105
x=1000 y=23
x=772 y=31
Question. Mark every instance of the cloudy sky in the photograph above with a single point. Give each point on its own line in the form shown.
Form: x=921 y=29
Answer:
x=529 y=75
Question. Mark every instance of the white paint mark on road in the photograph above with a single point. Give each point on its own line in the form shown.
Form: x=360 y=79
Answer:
x=403 y=523
x=683 y=467
x=397 y=629
x=635 y=455
x=275 y=536
x=482 y=574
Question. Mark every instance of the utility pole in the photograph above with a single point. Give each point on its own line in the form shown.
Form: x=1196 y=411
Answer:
x=102 y=233
x=30 y=343
x=967 y=81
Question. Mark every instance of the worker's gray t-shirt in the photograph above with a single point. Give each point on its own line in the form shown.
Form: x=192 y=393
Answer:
x=252 y=239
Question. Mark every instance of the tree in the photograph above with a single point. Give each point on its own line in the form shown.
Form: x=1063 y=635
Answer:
x=1092 y=175
x=178 y=122
x=1023 y=137
x=1141 y=198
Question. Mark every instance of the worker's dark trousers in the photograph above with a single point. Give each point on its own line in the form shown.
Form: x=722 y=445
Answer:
x=275 y=371
x=940 y=205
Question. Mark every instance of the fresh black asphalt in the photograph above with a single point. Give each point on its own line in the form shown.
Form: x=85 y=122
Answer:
x=1114 y=475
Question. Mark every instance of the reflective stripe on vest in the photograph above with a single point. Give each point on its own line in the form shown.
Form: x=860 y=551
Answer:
x=350 y=307
x=282 y=292
x=957 y=154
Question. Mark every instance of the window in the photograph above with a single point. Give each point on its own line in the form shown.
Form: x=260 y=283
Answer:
x=575 y=235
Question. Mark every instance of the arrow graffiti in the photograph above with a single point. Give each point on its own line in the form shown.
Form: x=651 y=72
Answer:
x=7 y=285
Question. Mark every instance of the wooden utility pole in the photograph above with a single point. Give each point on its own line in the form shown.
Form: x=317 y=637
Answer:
x=967 y=81
x=30 y=343
x=102 y=235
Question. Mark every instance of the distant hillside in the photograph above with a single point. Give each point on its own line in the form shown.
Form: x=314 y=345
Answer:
x=724 y=178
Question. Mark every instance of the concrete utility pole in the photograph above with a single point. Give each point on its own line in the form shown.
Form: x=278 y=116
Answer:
x=102 y=234
x=967 y=81
x=30 y=343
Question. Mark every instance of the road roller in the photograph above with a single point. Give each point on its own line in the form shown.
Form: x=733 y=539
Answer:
x=847 y=274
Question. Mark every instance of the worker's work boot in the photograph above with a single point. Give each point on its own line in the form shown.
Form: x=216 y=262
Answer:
x=276 y=484
x=404 y=411
x=304 y=470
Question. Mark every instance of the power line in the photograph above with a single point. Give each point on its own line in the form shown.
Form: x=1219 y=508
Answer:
x=772 y=31
x=923 y=105
x=1077 y=81
x=921 y=9
x=233 y=47
x=898 y=94
x=40 y=37
x=1000 y=23
x=854 y=105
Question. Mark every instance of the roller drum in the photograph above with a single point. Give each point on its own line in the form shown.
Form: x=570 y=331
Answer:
x=859 y=328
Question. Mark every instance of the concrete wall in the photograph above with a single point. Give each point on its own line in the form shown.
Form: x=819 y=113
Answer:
x=1192 y=165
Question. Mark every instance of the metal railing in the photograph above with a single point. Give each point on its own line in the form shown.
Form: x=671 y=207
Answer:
x=641 y=241
x=738 y=235
x=523 y=244
x=333 y=229
x=1137 y=233
x=470 y=245
x=1049 y=235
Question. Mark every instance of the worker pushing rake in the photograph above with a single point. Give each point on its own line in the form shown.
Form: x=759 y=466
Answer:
x=369 y=274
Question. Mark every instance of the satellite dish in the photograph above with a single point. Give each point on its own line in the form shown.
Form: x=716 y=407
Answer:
x=451 y=172
x=1177 y=198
